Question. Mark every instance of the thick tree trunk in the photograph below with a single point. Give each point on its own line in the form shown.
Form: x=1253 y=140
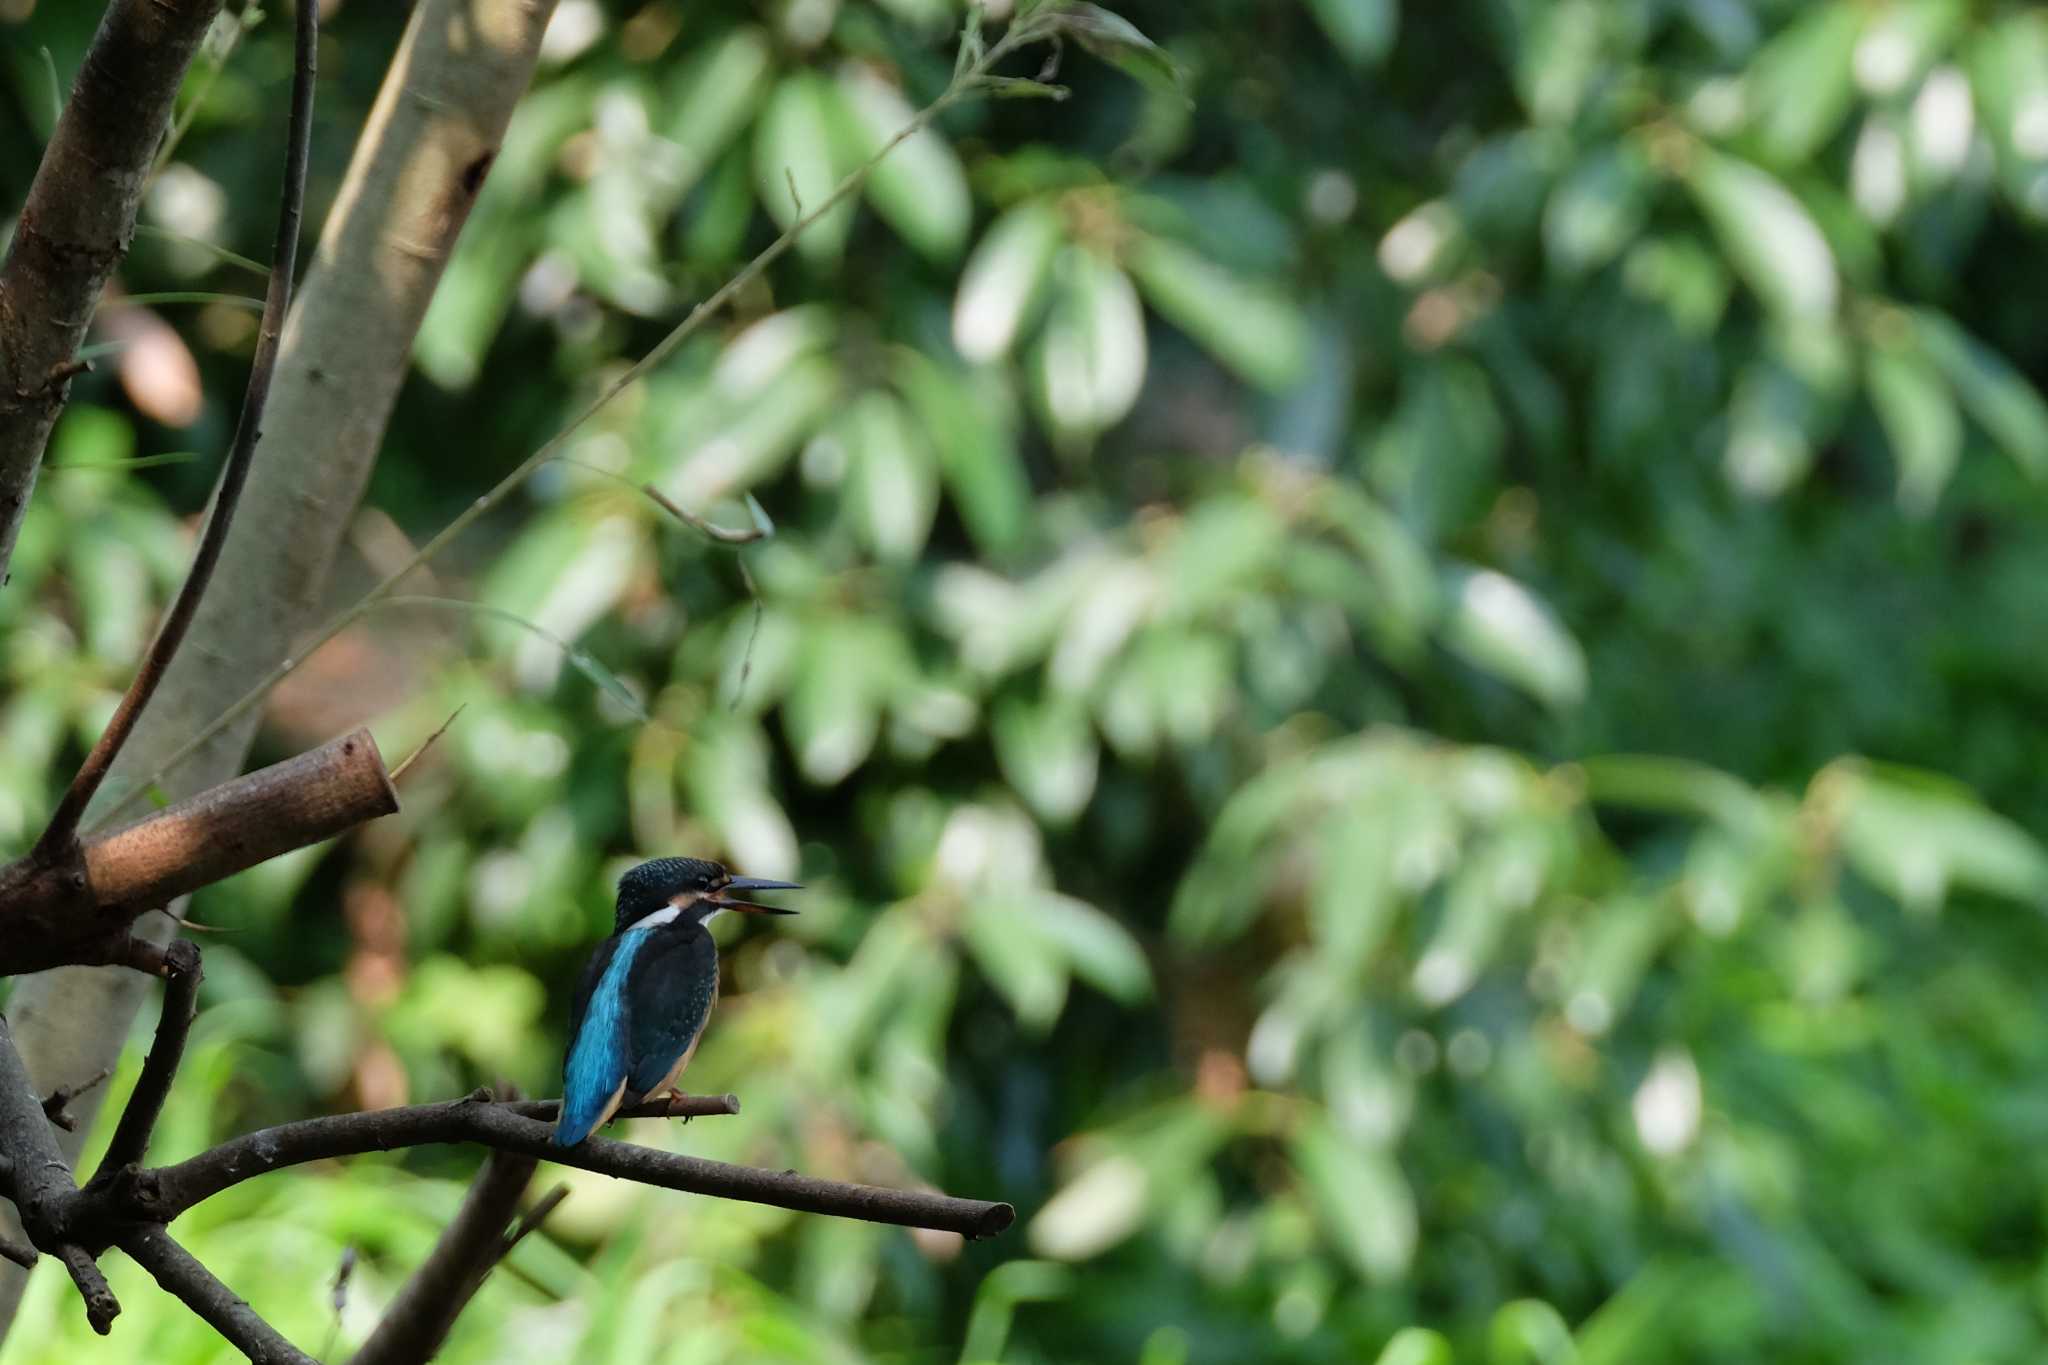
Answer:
x=430 y=139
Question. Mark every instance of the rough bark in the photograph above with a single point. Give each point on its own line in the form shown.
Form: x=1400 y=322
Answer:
x=423 y=155
x=77 y=222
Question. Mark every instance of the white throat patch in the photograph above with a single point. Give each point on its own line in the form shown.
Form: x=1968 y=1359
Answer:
x=668 y=914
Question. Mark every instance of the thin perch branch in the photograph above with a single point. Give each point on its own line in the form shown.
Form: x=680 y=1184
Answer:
x=63 y=827
x=181 y=973
x=528 y=1221
x=164 y=1193
x=178 y=1271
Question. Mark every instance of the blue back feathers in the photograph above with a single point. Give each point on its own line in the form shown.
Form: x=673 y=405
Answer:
x=597 y=1058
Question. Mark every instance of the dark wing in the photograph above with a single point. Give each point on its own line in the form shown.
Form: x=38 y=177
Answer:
x=680 y=969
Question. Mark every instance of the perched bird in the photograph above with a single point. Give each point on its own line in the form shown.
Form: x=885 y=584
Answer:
x=648 y=989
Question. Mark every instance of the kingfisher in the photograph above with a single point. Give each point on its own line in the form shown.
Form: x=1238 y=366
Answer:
x=649 y=988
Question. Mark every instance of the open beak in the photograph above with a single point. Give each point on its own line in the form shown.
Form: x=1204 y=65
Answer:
x=724 y=895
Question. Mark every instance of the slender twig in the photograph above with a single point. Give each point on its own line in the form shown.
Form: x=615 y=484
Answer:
x=425 y=745
x=760 y=610
x=181 y=973
x=63 y=827
x=337 y=1297
x=101 y=1307
x=57 y=1104
x=530 y=1220
x=419 y=1318
x=164 y=1193
x=21 y=1253
x=179 y=1272
x=680 y=1107
x=722 y=534
x=971 y=79
x=202 y=88
x=215 y=250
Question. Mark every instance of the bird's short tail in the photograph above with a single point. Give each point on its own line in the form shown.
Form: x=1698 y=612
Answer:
x=584 y=1112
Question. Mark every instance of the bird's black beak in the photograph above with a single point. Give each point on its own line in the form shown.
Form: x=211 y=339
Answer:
x=724 y=895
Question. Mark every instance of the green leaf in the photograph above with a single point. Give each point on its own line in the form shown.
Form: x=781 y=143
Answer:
x=1501 y=627
x=1655 y=782
x=1530 y=1332
x=1920 y=420
x=1800 y=87
x=834 y=709
x=977 y=450
x=754 y=363
x=718 y=92
x=1093 y=1212
x=1027 y=967
x=1363 y=30
x=1768 y=448
x=1119 y=42
x=1598 y=210
x=918 y=187
x=1917 y=837
x=894 y=487
x=1098 y=949
x=1253 y=328
x=1558 y=56
x=1768 y=235
x=798 y=162
x=754 y=445
x=1416 y=1346
x=1048 y=753
x=1090 y=360
x=1636 y=1322
x=1004 y=279
x=1354 y=901
x=1995 y=394
x=1361 y=1197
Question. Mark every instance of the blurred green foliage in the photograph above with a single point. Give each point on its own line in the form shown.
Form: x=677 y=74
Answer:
x=1402 y=646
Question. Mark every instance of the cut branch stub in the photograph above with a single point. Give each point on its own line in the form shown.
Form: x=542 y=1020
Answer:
x=79 y=910
x=241 y=823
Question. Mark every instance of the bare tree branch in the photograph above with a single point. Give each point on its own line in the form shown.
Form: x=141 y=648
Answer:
x=57 y=1104
x=101 y=1307
x=423 y=155
x=419 y=1319
x=37 y=1179
x=21 y=1253
x=62 y=830
x=178 y=1272
x=685 y=1107
x=81 y=910
x=163 y=1193
x=78 y=220
x=181 y=973
x=528 y=1221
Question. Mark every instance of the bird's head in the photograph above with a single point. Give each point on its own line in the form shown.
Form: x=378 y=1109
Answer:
x=694 y=887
